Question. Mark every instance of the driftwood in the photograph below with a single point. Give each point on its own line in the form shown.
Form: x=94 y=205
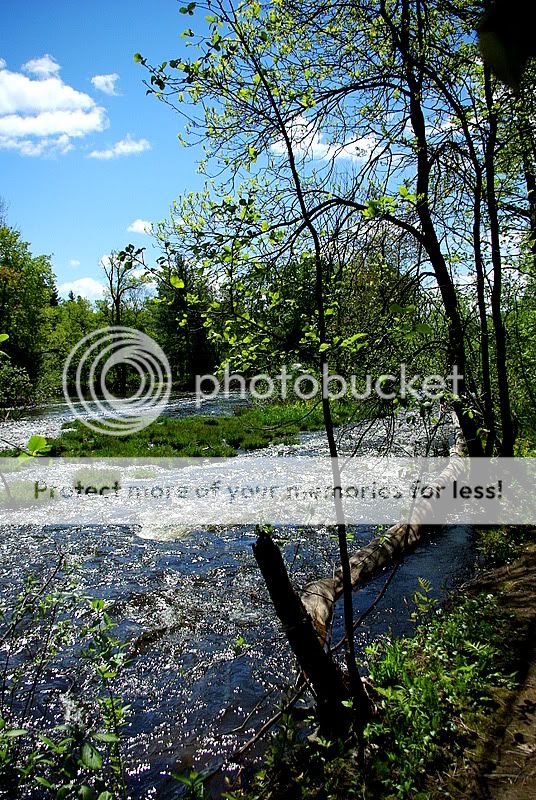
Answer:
x=319 y=597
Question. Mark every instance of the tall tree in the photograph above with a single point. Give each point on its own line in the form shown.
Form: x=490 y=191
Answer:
x=26 y=290
x=123 y=282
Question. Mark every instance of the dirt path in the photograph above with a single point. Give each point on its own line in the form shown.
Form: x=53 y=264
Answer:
x=508 y=766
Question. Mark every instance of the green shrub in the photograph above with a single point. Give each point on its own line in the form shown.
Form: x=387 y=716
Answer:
x=78 y=756
x=429 y=690
x=15 y=386
x=498 y=545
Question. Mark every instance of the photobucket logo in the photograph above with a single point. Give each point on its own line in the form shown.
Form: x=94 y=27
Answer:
x=112 y=357
x=306 y=386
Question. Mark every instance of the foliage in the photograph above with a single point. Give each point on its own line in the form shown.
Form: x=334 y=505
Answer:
x=67 y=323
x=16 y=388
x=73 y=750
x=499 y=545
x=194 y=783
x=332 y=133
x=177 y=324
x=41 y=329
x=430 y=689
x=26 y=288
x=448 y=671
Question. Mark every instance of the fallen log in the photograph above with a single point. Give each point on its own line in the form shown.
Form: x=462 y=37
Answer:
x=319 y=597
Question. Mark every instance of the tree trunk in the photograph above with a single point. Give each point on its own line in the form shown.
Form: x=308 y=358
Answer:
x=456 y=343
x=326 y=679
x=507 y=427
x=487 y=395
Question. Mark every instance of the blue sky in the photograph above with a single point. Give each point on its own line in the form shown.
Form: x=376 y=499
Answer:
x=82 y=159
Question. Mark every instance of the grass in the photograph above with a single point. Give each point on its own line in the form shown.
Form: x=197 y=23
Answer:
x=248 y=429
x=500 y=544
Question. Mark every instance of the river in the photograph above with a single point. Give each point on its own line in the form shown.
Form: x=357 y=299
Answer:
x=207 y=649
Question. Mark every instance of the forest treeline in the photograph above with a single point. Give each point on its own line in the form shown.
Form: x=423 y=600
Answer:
x=196 y=322
x=43 y=328
x=380 y=314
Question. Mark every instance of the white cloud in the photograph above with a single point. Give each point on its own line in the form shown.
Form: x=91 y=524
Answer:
x=125 y=147
x=105 y=83
x=20 y=94
x=42 y=67
x=68 y=123
x=86 y=287
x=41 y=116
x=74 y=262
x=140 y=226
x=307 y=141
x=2 y=63
x=37 y=147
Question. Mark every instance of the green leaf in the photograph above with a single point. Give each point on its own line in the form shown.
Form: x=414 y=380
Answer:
x=86 y=792
x=15 y=732
x=4 y=337
x=423 y=327
x=106 y=737
x=90 y=757
x=36 y=443
x=43 y=782
x=138 y=58
x=177 y=282
x=49 y=743
x=351 y=341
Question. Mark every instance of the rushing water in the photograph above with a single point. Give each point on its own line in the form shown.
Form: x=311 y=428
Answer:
x=183 y=604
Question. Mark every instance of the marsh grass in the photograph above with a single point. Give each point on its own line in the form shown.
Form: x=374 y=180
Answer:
x=247 y=429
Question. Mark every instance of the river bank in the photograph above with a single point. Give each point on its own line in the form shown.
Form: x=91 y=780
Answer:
x=454 y=701
x=502 y=763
